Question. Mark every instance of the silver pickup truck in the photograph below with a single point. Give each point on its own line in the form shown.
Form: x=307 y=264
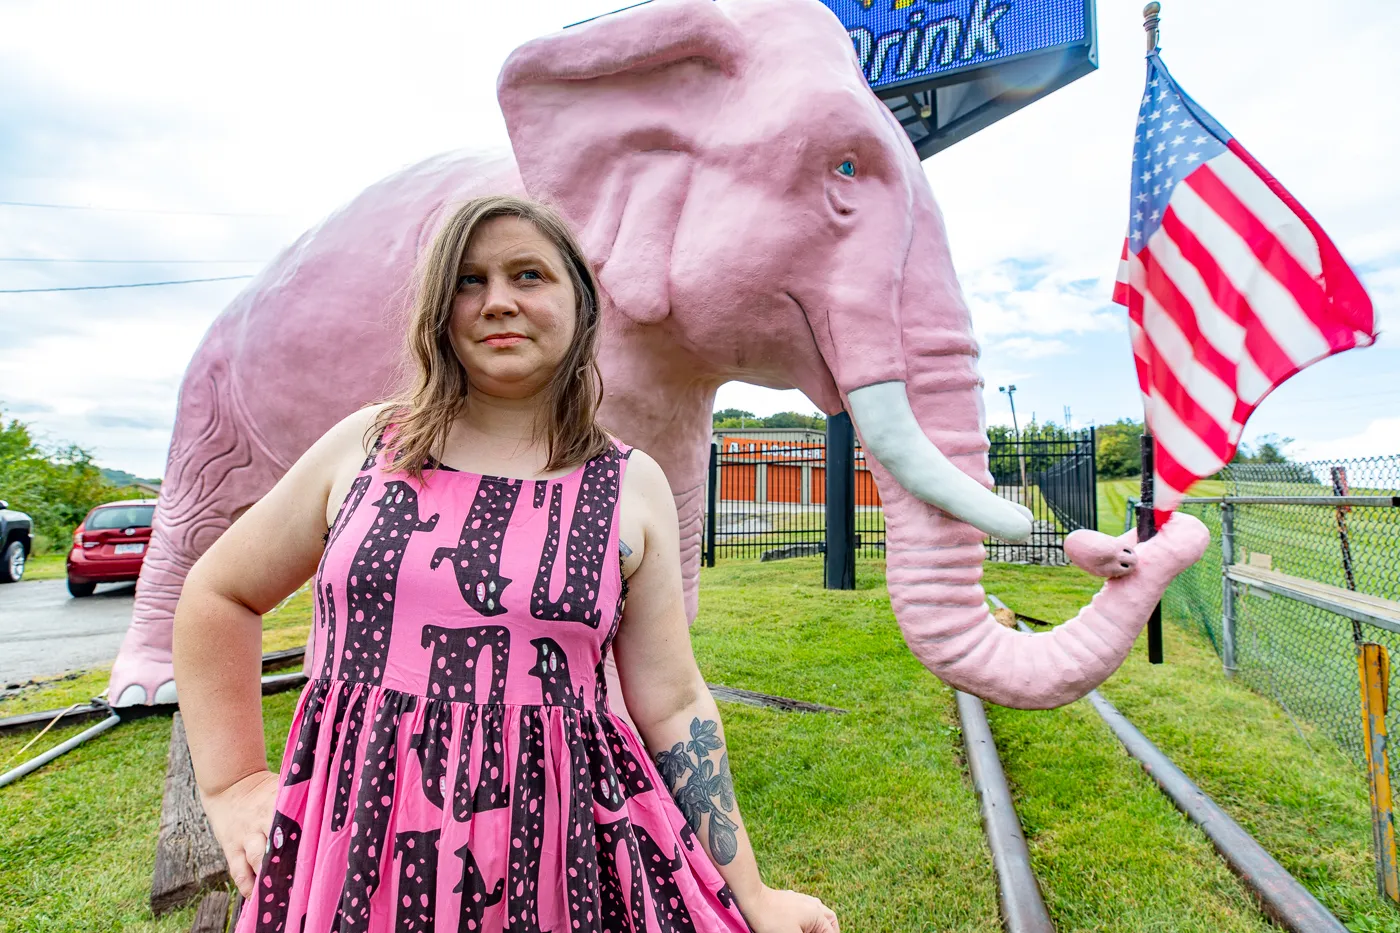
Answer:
x=16 y=541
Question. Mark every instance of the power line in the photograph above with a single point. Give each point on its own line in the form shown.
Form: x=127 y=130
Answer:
x=158 y=262
x=87 y=288
x=137 y=210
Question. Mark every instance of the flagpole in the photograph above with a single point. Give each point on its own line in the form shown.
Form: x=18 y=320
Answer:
x=1146 y=523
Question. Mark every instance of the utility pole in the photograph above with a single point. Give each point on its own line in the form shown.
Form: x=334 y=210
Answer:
x=1067 y=418
x=1020 y=455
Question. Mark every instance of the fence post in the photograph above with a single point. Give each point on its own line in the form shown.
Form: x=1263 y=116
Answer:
x=840 y=503
x=711 y=501
x=1374 y=665
x=1227 y=601
x=1094 y=475
x=1340 y=487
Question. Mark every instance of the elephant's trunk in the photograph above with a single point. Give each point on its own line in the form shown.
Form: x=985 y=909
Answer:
x=934 y=569
x=934 y=559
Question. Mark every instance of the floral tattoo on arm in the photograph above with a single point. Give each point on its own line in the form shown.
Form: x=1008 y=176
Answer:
x=700 y=789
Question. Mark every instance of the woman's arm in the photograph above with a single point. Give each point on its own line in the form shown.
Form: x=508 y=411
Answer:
x=676 y=716
x=217 y=651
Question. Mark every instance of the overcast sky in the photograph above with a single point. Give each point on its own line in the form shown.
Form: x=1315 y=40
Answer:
x=221 y=133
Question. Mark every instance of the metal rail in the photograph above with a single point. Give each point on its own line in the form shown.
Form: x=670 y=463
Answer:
x=1284 y=900
x=1018 y=892
x=44 y=758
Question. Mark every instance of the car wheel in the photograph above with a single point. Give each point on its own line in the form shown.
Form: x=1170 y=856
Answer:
x=12 y=570
x=81 y=589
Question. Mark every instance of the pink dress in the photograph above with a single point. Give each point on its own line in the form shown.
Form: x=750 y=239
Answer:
x=453 y=764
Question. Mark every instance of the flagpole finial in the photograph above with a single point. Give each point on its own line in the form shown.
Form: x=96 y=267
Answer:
x=1151 y=17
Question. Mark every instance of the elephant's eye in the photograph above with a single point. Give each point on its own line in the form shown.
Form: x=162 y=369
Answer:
x=847 y=168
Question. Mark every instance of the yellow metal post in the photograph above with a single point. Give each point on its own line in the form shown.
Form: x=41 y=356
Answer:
x=1374 y=666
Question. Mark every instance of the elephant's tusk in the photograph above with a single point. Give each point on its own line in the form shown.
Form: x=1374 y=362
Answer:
x=892 y=436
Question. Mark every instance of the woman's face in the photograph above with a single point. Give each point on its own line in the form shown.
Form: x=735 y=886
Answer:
x=513 y=316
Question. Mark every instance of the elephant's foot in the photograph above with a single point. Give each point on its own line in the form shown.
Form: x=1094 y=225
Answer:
x=1100 y=554
x=142 y=674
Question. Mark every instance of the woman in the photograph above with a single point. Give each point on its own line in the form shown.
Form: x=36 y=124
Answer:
x=453 y=763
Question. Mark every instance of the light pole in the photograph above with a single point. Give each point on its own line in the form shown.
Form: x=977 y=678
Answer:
x=1011 y=396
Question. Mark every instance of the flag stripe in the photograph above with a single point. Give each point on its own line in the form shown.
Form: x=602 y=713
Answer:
x=1273 y=214
x=1272 y=303
x=1267 y=248
x=1258 y=342
x=1170 y=347
x=1173 y=394
x=1252 y=383
x=1183 y=442
x=1218 y=341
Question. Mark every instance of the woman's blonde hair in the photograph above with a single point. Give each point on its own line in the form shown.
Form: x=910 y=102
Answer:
x=436 y=382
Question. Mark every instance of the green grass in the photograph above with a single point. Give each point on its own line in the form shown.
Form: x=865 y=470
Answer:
x=871 y=810
x=1097 y=823
x=47 y=567
x=1113 y=496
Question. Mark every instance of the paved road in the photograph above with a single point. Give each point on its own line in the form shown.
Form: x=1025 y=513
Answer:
x=43 y=630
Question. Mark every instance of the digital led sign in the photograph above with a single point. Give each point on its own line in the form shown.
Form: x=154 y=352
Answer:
x=903 y=42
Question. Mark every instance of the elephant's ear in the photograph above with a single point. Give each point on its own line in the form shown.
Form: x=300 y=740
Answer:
x=606 y=120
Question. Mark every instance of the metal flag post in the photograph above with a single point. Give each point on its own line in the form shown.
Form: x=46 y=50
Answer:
x=1147 y=525
x=1147 y=521
x=1146 y=528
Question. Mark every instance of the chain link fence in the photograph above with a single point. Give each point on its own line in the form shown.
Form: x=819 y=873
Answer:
x=1301 y=655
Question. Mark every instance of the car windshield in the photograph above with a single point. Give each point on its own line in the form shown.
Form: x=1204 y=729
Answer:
x=123 y=516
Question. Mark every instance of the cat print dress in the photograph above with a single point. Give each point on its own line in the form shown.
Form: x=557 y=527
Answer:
x=453 y=764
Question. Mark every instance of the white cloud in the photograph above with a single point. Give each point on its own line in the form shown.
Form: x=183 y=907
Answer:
x=1029 y=348
x=1380 y=438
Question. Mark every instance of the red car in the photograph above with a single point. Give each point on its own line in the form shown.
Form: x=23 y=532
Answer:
x=110 y=545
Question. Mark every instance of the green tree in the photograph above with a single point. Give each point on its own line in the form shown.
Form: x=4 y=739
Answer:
x=733 y=414
x=55 y=486
x=1119 y=448
x=738 y=418
x=1268 y=448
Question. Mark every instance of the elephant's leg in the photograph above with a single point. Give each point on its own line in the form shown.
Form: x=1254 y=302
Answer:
x=1100 y=554
x=215 y=471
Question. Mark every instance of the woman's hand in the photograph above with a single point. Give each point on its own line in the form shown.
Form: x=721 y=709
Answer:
x=788 y=912
x=241 y=816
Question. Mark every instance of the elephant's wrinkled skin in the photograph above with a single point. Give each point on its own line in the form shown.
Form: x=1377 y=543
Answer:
x=754 y=213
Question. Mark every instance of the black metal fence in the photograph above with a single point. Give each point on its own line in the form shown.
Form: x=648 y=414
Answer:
x=767 y=495
x=1055 y=476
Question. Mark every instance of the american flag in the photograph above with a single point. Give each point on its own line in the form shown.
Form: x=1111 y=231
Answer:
x=1231 y=286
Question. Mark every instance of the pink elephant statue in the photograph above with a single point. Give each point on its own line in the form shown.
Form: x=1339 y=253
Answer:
x=754 y=213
